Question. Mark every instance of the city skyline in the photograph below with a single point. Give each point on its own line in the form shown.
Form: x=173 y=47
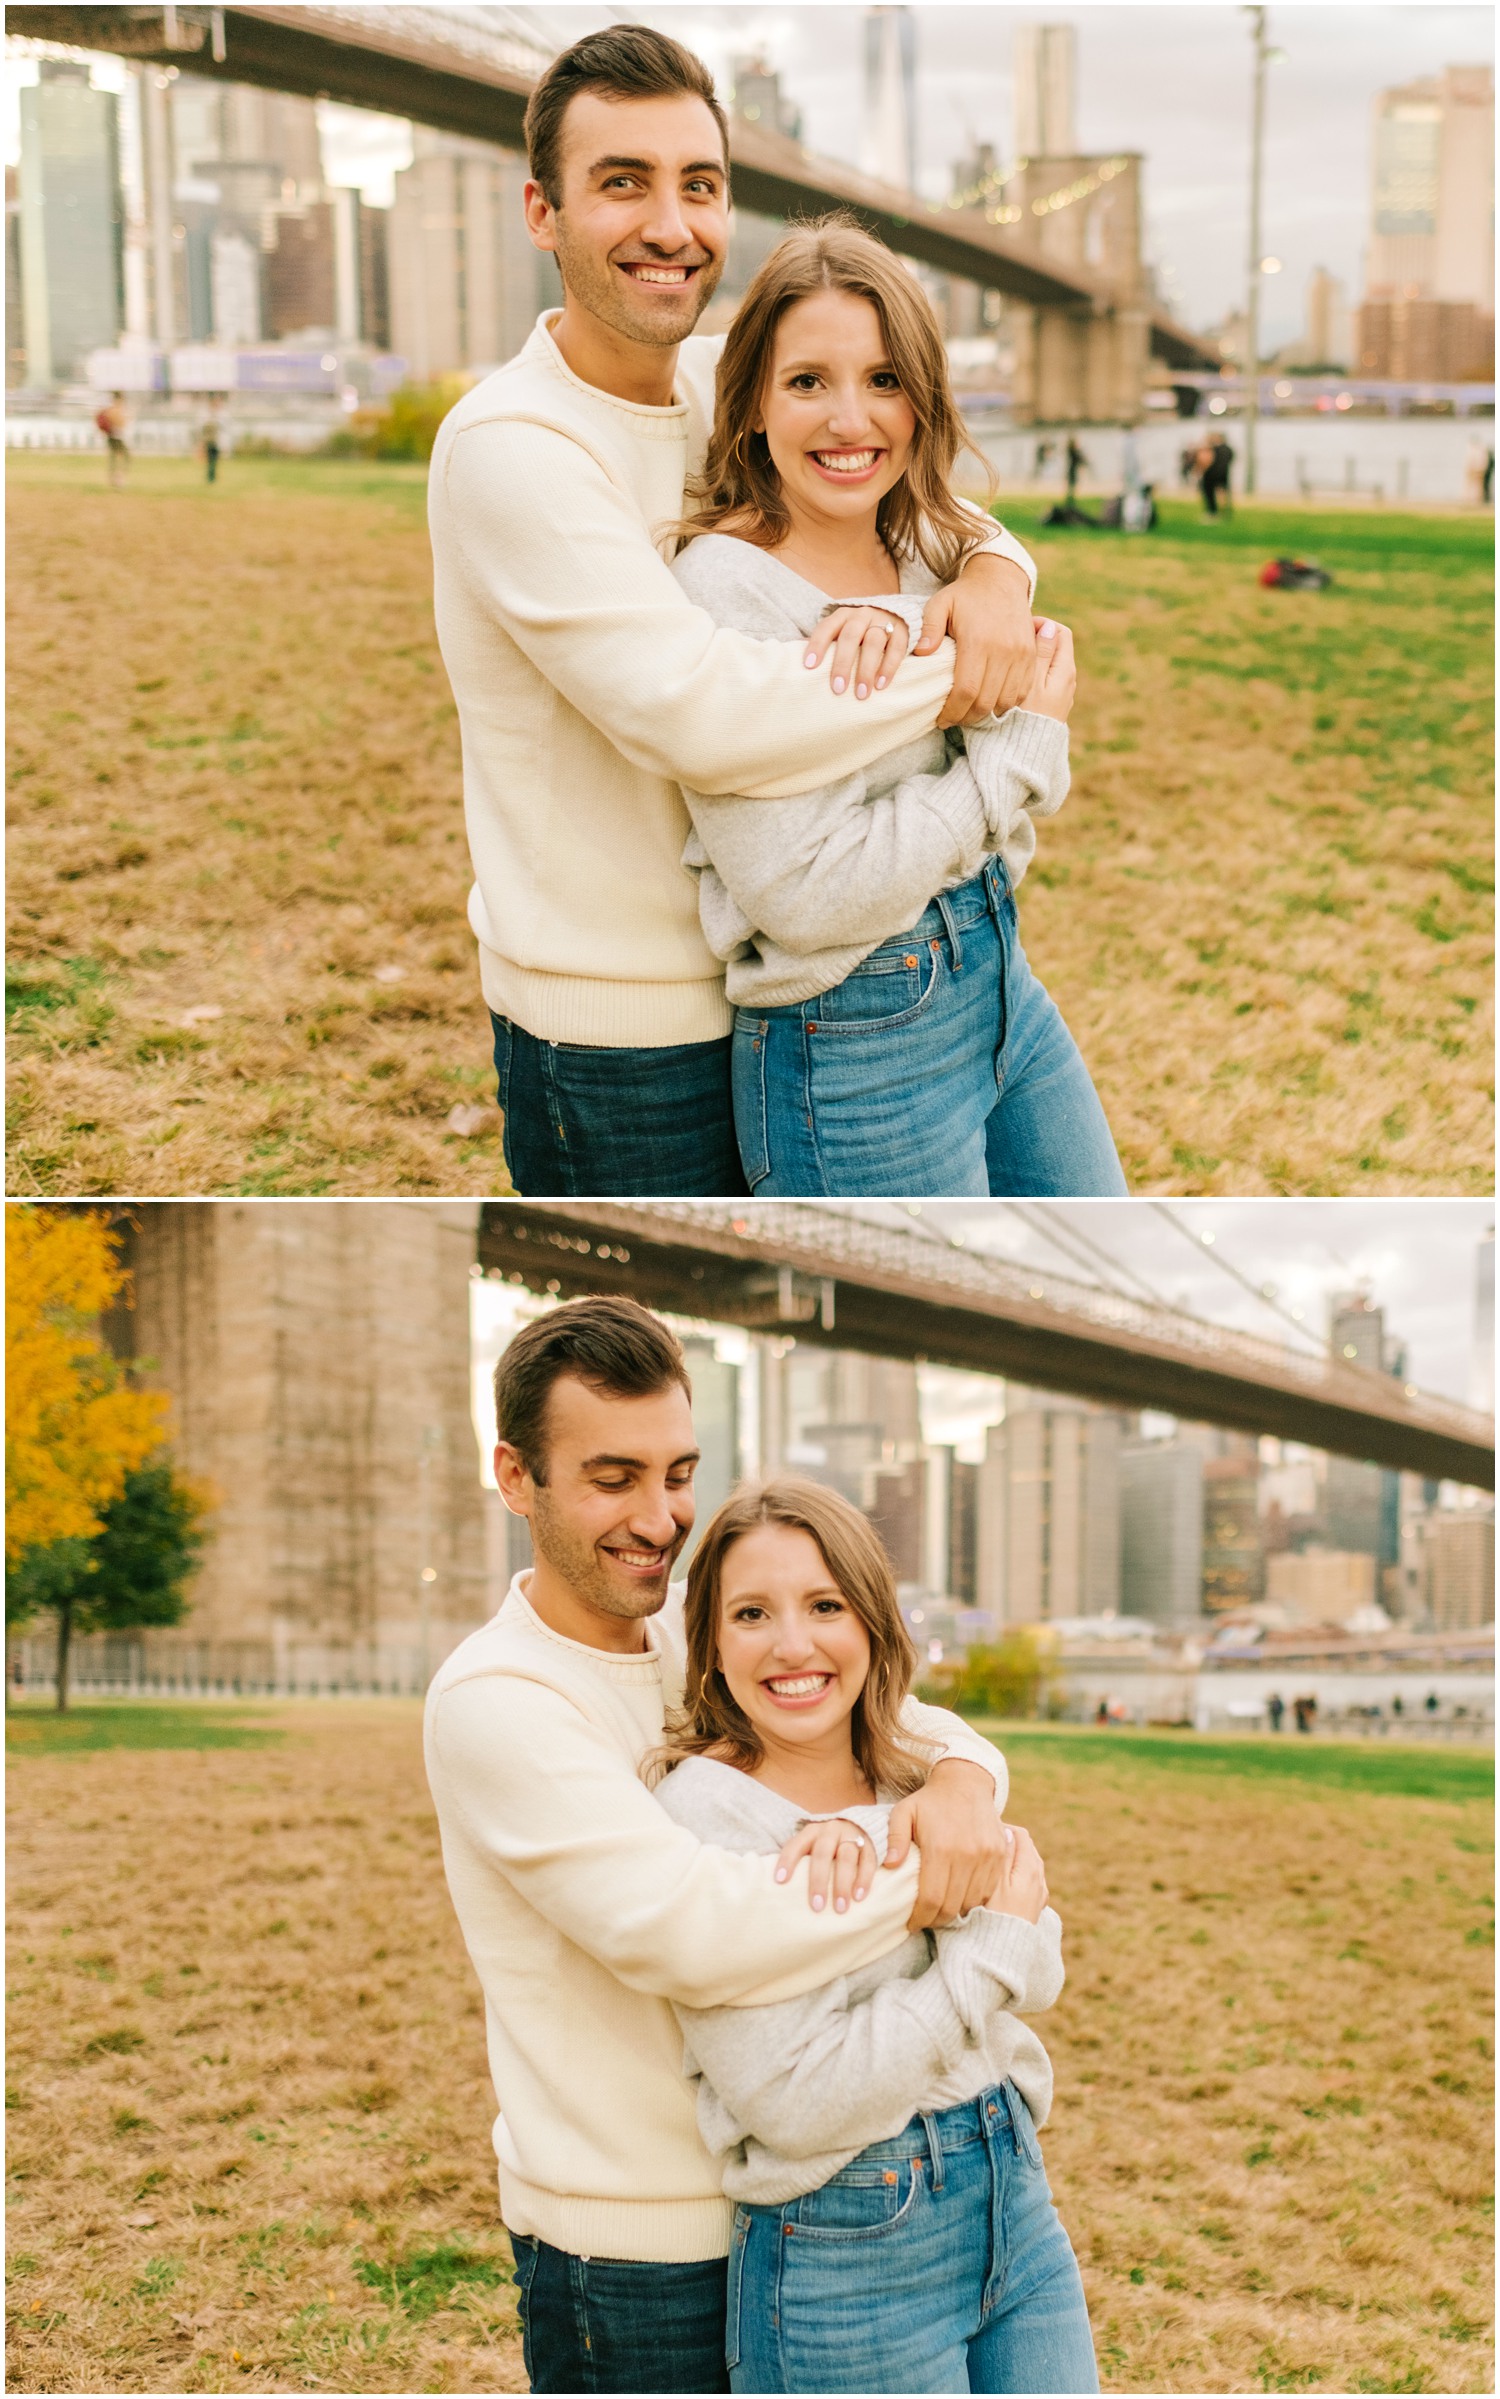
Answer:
x=1190 y=121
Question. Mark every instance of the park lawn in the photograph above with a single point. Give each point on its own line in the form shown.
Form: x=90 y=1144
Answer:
x=36 y=1729
x=249 y=2129
x=235 y=786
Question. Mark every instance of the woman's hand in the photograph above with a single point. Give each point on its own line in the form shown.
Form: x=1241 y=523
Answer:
x=868 y=645
x=1021 y=1889
x=842 y=1861
x=1054 y=681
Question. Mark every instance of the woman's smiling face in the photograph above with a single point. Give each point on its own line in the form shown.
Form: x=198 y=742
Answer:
x=837 y=423
x=791 y=1648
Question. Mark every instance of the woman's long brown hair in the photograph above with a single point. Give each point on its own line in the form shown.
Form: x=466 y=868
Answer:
x=739 y=485
x=710 y=1719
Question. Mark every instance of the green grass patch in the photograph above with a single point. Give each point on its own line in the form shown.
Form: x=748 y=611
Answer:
x=426 y=2279
x=1392 y=1772
x=34 y=1730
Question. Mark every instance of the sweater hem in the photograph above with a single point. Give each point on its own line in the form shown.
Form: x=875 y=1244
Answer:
x=661 y=2232
x=604 y=1015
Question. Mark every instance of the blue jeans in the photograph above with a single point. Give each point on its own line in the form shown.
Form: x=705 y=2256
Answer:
x=938 y=1069
x=934 y=2262
x=610 y=2324
x=585 y=1123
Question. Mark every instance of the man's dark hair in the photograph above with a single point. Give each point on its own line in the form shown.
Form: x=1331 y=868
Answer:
x=629 y=62
x=615 y=1346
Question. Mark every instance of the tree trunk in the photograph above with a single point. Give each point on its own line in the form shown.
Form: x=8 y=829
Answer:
x=64 y=1644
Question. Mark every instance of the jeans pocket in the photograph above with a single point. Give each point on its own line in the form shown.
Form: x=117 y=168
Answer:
x=1027 y=2144
x=732 y=2341
x=890 y=989
x=861 y=2204
x=748 y=1067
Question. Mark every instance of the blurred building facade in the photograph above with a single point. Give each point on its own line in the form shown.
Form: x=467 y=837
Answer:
x=70 y=222
x=1428 y=312
x=466 y=285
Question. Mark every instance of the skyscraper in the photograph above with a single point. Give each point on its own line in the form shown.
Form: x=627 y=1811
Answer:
x=466 y=286
x=1043 y=66
x=1161 y=1530
x=888 y=145
x=1433 y=227
x=71 y=225
x=1047 y=1512
x=1362 y=1503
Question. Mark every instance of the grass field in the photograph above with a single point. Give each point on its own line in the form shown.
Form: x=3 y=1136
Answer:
x=238 y=955
x=250 y=2111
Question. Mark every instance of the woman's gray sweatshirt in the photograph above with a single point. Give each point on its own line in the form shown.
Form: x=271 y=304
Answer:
x=793 y=894
x=788 y=2094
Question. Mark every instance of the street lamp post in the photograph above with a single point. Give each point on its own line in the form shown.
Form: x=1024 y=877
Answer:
x=1252 y=288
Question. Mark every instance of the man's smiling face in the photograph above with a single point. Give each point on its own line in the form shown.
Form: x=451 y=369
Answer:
x=617 y=1505
x=641 y=229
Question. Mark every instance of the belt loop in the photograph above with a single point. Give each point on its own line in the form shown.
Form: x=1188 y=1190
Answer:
x=934 y=2150
x=950 y=927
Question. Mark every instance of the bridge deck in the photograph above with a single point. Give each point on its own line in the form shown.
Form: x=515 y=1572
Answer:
x=435 y=67
x=848 y=1283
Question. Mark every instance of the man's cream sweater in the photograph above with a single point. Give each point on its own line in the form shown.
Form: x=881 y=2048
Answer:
x=587 y=1912
x=589 y=688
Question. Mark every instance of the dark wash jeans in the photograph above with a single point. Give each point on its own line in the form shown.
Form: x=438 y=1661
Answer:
x=586 y=1123
x=611 y=2324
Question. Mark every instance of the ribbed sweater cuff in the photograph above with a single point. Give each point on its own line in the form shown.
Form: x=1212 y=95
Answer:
x=987 y=1948
x=668 y=2232
x=959 y=801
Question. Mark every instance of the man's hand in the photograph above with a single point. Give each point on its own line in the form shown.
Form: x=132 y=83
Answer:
x=842 y=1861
x=868 y=645
x=964 y=1845
x=988 y=613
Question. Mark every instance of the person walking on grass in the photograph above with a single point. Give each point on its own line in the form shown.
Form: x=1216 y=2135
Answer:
x=588 y=686
x=587 y=1913
x=893 y=2226
x=113 y=421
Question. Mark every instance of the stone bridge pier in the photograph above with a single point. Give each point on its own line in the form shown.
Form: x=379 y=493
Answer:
x=318 y=1362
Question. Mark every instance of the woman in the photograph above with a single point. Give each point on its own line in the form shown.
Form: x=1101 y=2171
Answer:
x=889 y=1035
x=894 y=2230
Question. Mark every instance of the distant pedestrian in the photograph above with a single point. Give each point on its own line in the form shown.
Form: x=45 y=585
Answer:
x=1397 y=1705
x=1101 y=1713
x=1275 y=1709
x=113 y=422
x=1304 y=1711
x=1041 y=461
x=1076 y=462
x=1215 y=461
x=1487 y=480
x=1187 y=463
x=1432 y=1703
x=211 y=438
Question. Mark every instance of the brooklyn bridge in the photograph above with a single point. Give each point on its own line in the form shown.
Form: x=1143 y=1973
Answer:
x=318 y=1358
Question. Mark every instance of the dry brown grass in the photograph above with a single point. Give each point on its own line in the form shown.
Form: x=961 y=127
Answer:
x=248 y=2057
x=236 y=785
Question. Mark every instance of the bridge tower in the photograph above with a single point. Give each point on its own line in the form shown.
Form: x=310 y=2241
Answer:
x=318 y=1362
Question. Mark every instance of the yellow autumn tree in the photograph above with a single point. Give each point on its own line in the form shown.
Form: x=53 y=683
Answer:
x=74 y=1428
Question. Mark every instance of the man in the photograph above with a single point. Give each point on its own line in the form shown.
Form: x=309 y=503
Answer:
x=586 y=1910
x=589 y=688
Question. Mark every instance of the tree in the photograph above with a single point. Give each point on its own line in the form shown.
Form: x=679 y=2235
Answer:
x=134 y=1571
x=74 y=1428
x=1008 y=1677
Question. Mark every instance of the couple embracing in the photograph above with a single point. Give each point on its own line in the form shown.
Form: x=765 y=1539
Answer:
x=755 y=1944
x=745 y=869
